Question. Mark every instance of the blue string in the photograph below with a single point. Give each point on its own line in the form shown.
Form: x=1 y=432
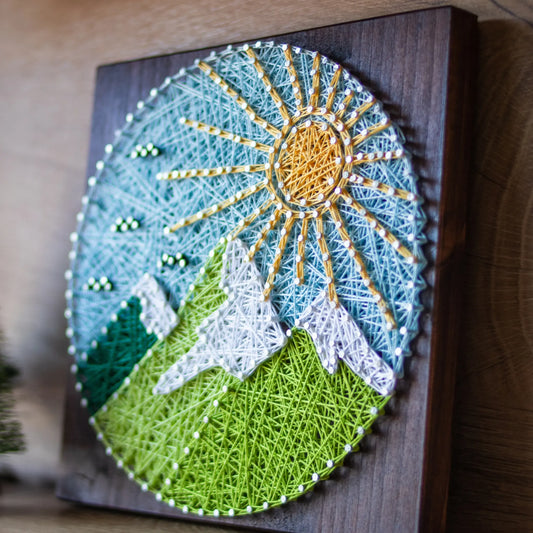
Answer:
x=128 y=187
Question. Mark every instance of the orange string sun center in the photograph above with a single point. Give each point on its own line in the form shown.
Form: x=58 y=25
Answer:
x=308 y=165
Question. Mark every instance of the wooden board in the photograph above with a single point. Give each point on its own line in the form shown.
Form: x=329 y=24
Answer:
x=421 y=66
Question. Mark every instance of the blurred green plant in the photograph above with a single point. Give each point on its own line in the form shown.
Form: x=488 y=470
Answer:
x=11 y=438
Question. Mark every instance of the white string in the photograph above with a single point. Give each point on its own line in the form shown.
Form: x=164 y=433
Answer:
x=240 y=335
x=245 y=331
x=157 y=316
x=337 y=336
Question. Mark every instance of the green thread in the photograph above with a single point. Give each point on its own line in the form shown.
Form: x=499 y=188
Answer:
x=223 y=446
x=270 y=434
x=115 y=354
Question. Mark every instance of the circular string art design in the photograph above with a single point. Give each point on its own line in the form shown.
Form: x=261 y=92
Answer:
x=244 y=279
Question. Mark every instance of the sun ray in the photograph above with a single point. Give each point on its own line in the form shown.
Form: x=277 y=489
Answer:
x=315 y=89
x=268 y=84
x=241 y=102
x=383 y=187
x=343 y=107
x=300 y=258
x=215 y=208
x=271 y=224
x=366 y=133
x=326 y=260
x=385 y=234
x=374 y=157
x=357 y=113
x=212 y=130
x=293 y=76
x=273 y=270
x=245 y=222
x=356 y=256
x=209 y=172
x=332 y=89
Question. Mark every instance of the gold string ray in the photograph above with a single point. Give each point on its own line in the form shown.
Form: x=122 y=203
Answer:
x=368 y=183
x=358 y=113
x=268 y=84
x=376 y=226
x=271 y=224
x=245 y=222
x=215 y=208
x=212 y=130
x=241 y=102
x=326 y=260
x=273 y=270
x=332 y=89
x=300 y=258
x=373 y=157
x=366 y=133
x=293 y=77
x=343 y=107
x=315 y=89
x=209 y=172
x=361 y=267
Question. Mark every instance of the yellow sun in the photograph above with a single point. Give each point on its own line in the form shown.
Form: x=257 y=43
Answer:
x=311 y=163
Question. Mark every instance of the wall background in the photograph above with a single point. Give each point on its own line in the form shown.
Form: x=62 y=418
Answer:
x=49 y=50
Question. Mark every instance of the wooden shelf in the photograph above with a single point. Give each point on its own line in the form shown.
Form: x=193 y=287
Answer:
x=26 y=509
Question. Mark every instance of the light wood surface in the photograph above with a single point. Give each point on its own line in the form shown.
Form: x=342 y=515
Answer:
x=35 y=509
x=49 y=53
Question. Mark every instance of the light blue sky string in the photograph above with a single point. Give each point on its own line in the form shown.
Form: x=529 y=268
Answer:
x=128 y=187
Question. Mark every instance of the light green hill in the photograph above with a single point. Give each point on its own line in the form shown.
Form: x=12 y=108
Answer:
x=221 y=444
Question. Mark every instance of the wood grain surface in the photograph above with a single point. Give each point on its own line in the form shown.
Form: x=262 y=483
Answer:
x=36 y=509
x=492 y=467
x=401 y=480
x=49 y=52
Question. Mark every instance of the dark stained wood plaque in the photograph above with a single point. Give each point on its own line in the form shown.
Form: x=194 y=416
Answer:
x=421 y=65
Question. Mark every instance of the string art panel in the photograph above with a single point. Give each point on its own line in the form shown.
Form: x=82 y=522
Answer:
x=245 y=278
